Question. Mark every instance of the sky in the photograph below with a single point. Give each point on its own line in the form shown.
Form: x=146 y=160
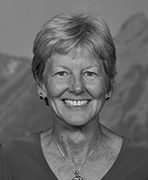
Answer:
x=20 y=20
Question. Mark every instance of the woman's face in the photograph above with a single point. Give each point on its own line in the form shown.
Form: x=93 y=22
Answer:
x=75 y=87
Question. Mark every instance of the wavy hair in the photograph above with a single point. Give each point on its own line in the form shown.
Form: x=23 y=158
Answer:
x=68 y=32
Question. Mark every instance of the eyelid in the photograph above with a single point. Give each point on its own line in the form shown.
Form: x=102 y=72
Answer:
x=61 y=72
x=91 y=72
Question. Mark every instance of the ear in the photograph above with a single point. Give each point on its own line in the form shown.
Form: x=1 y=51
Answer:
x=112 y=84
x=41 y=90
x=110 y=90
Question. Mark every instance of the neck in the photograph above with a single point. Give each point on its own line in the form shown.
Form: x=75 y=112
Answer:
x=77 y=142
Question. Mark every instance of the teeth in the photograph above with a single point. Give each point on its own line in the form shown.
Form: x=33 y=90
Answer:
x=76 y=103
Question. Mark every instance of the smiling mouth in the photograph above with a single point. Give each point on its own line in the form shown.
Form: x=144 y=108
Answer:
x=76 y=103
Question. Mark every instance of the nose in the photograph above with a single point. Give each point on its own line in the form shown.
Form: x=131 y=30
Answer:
x=77 y=85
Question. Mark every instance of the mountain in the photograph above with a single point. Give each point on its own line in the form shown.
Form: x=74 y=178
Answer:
x=127 y=111
x=22 y=112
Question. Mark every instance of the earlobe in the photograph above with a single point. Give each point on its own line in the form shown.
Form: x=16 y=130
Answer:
x=110 y=90
x=41 y=90
x=107 y=97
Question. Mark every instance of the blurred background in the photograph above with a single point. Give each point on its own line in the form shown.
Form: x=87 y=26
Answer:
x=22 y=112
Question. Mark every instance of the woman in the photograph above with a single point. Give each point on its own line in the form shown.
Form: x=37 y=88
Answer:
x=74 y=67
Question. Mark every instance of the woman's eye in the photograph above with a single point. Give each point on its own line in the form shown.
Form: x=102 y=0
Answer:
x=61 y=73
x=90 y=73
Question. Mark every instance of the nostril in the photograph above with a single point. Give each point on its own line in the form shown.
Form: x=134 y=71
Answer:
x=77 y=89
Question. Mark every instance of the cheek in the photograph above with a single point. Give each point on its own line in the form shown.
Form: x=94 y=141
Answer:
x=98 y=89
x=54 y=89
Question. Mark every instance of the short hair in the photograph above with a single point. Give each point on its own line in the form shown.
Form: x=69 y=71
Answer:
x=68 y=32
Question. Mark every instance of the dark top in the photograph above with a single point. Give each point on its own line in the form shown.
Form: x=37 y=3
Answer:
x=23 y=159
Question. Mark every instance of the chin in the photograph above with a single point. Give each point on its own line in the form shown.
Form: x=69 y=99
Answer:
x=76 y=124
x=76 y=120
x=77 y=116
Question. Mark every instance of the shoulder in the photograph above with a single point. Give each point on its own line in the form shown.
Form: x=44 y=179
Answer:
x=124 y=145
x=133 y=160
x=134 y=147
x=19 y=152
x=133 y=156
x=13 y=152
x=20 y=145
x=135 y=150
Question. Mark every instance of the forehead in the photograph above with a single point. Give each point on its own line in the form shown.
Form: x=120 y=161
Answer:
x=79 y=57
